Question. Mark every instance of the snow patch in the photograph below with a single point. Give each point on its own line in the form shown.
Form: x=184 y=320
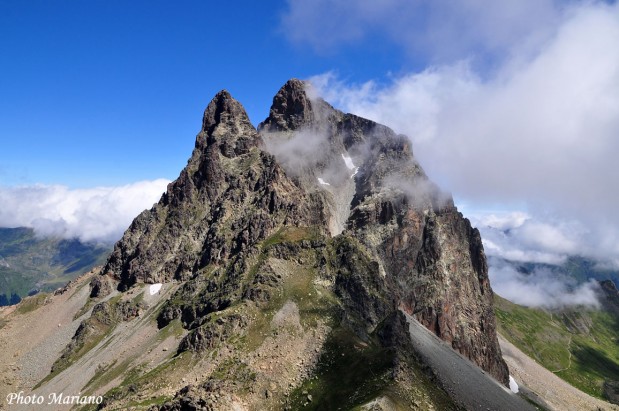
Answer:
x=350 y=165
x=154 y=288
x=513 y=385
x=323 y=182
x=348 y=162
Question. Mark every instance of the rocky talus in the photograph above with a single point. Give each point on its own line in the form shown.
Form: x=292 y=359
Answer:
x=287 y=254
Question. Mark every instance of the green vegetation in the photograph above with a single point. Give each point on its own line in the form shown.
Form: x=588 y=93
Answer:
x=577 y=344
x=175 y=328
x=313 y=301
x=32 y=303
x=350 y=372
x=291 y=234
x=136 y=380
x=29 y=263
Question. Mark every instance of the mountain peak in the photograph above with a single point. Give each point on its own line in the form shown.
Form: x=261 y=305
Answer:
x=226 y=124
x=291 y=108
x=224 y=109
x=328 y=227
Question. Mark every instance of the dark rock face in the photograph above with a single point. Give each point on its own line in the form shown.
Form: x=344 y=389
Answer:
x=291 y=108
x=398 y=242
x=231 y=195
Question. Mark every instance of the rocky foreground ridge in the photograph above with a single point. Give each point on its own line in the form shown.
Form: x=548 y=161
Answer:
x=288 y=256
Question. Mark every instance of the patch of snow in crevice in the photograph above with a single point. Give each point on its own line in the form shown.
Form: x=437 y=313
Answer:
x=348 y=162
x=154 y=288
x=323 y=182
x=350 y=165
x=513 y=385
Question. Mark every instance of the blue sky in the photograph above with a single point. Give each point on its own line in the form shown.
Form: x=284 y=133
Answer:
x=111 y=92
x=512 y=106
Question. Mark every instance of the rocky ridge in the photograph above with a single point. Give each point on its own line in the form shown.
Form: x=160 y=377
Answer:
x=291 y=251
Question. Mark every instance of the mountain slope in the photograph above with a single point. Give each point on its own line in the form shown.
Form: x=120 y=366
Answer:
x=287 y=256
x=577 y=344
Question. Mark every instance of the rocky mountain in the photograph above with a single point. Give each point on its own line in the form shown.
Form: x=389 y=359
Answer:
x=287 y=268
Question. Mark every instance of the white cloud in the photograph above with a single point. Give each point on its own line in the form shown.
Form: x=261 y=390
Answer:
x=500 y=221
x=522 y=237
x=95 y=214
x=515 y=236
x=541 y=288
x=439 y=29
x=544 y=128
x=541 y=128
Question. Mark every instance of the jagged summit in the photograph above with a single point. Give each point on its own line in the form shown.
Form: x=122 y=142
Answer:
x=223 y=110
x=293 y=108
x=230 y=195
x=313 y=233
x=290 y=109
x=226 y=123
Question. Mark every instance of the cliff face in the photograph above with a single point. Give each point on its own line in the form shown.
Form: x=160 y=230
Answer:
x=310 y=232
x=430 y=260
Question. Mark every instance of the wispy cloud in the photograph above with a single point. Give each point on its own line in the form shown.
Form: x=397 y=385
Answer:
x=541 y=127
x=439 y=29
x=521 y=237
x=97 y=214
x=544 y=130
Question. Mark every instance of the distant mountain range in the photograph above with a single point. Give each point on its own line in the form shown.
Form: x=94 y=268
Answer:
x=29 y=264
x=580 y=268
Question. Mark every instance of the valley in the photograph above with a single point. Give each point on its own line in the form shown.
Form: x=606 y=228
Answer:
x=31 y=263
x=577 y=344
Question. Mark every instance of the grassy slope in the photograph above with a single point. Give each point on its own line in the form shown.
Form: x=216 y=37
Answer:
x=28 y=262
x=578 y=344
x=350 y=372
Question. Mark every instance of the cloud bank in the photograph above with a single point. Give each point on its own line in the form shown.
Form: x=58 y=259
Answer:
x=519 y=237
x=99 y=214
x=541 y=288
x=514 y=238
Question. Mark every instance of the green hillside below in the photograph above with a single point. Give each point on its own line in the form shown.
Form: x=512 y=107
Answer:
x=578 y=344
x=29 y=264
